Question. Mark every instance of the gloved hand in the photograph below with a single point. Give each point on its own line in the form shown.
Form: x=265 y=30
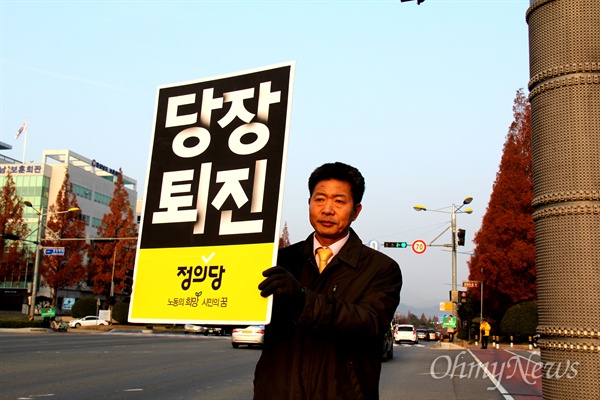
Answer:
x=280 y=282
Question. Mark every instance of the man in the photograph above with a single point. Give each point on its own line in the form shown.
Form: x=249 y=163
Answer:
x=326 y=332
x=484 y=328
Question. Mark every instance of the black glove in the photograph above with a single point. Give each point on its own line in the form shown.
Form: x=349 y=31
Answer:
x=280 y=282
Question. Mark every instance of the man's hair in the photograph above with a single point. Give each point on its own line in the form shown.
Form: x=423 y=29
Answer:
x=341 y=172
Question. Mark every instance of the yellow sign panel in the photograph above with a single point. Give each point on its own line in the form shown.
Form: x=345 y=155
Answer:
x=446 y=306
x=221 y=285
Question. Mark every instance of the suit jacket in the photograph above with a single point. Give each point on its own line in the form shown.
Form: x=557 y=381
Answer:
x=329 y=346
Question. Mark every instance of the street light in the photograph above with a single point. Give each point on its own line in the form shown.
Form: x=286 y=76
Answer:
x=38 y=250
x=455 y=210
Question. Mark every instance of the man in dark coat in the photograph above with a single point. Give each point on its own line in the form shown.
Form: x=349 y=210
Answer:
x=325 y=337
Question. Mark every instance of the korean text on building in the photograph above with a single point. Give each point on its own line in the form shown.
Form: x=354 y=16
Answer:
x=211 y=217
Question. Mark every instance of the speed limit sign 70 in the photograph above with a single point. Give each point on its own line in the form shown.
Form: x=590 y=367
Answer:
x=419 y=246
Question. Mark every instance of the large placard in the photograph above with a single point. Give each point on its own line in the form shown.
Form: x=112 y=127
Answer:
x=211 y=217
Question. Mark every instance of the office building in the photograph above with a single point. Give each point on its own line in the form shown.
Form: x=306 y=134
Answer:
x=40 y=183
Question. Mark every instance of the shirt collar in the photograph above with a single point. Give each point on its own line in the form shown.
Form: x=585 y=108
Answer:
x=335 y=247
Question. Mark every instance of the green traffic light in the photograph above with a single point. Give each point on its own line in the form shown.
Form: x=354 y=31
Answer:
x=401 y=245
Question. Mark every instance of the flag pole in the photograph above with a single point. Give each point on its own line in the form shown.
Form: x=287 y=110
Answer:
x=25 y=140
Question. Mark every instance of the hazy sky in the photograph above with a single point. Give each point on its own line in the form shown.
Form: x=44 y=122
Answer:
x=419 y=98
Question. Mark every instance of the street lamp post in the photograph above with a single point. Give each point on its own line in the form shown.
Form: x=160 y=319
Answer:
x=112 y=278
x=453 y=244
x=36 y=265
x=481 y=307
x=38 y=251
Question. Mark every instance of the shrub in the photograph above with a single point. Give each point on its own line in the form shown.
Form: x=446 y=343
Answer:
x=13 y=323
x=84 y=307
x=120 y=311
x=520 y=320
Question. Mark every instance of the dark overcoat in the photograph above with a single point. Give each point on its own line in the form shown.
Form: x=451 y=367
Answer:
x=329 y=346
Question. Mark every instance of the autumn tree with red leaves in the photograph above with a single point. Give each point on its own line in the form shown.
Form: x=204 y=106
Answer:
x=13 y=253
x=284 y=239
x=504 y=254
x=118 y=251
x=60 y=272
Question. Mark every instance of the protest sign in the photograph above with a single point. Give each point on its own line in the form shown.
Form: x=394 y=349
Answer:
x=211 y=217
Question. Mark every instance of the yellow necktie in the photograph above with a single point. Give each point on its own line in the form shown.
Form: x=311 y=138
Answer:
x=325 y=254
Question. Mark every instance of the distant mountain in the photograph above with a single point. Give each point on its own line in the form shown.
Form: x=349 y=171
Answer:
x=429 y=311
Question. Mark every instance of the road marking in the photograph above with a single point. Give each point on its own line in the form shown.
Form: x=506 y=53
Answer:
x=496 y=383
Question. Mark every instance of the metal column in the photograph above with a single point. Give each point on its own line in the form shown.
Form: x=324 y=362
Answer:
x=564 y=47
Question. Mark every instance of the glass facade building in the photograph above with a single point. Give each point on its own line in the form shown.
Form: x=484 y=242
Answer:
x=40 y=183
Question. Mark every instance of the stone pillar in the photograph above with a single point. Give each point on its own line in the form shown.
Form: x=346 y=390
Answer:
x=564 y=55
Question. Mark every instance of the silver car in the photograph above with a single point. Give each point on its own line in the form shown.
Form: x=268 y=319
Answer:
x=191 y=328
x=251 y=335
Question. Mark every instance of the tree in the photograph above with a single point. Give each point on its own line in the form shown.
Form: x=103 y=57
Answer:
x=119 y=251
x=284 y=240
x=413 y=319
x=64 y=271
x=84 y=307
x=504 y=254
x=13 y=253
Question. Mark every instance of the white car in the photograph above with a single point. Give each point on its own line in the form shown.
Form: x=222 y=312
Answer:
x=405 y=333
x=251 y=335
x=90 y=320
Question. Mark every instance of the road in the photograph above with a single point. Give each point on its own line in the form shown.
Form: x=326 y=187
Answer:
x=176 y=366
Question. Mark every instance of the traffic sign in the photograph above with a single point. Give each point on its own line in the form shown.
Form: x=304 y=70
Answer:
x=54 y=251
x=470 y=284
x=445 y=306
x=374 y=244
x=419 y=246
x=449 y=321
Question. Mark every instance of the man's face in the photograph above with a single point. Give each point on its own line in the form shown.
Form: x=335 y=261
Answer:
x=332 y=210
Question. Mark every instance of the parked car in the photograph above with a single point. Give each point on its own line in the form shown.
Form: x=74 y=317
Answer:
x=405 y=333
x=191 y=328
x=388 y=344
x=251 y=335
x=90 y=320
x=422 y=334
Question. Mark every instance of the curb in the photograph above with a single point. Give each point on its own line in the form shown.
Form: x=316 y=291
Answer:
x=26 y=330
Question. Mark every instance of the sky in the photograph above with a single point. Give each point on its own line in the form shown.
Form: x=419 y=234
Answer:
x=417 y=97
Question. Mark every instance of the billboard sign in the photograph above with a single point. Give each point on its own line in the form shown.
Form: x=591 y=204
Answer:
x=449 y=321
x=211 y=216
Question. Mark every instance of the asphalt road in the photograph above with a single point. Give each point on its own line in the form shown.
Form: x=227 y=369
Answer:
x=77 y=365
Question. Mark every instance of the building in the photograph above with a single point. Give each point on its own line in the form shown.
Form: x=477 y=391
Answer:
x=93 y=184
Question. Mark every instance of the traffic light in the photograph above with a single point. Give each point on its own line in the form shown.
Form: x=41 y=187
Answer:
x=462 y=296
x=10 y=236
x=460 y=237
x=400 y=245
x=128 y=281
